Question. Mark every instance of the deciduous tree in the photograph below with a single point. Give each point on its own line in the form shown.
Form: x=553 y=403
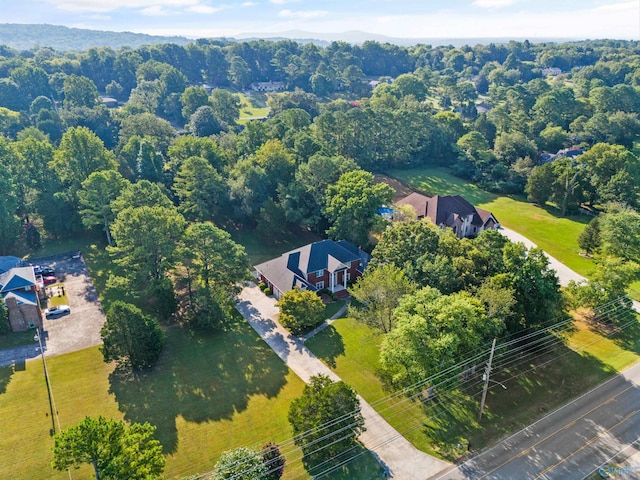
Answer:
x=146 y=240
x=326 y=419
x=432 y=332
x=378 y=292
x=114 y=449
x=351 y=204
x=240 y=464
x=620 y=233
x=80 y=154
x=131 y=338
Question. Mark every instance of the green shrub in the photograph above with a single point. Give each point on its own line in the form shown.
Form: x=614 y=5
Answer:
x=267 y=291
x=262 y=286
x=300 y=309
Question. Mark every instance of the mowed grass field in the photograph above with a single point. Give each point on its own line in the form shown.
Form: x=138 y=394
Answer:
x=252 y=106
x=446 y=425
x=544 y=226
x=208 y=393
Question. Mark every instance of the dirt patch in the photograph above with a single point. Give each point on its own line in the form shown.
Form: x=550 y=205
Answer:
x=401 y=190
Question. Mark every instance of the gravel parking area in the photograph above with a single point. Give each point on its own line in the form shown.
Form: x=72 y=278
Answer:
x=76 y=331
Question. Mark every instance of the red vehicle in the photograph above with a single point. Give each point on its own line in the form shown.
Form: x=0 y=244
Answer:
x=49 y=280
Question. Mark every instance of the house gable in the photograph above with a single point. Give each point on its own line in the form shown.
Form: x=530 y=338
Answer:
x=324 y=263
x=21 y=278
x=451 y=211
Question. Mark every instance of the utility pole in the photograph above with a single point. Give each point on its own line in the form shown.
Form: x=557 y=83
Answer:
x=486 y=380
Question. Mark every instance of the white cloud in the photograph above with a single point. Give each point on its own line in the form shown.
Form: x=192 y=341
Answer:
x=282 y=2
x=204 y=9
x=302 y=15
x=619 y=20
x=493 y=3
x=248 y=4
x=155 y=11
x=111 y=5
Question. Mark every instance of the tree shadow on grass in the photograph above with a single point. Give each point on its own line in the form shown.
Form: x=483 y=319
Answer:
x=5 y=377
x=327 y=346
x=629 y=338
x=536 y=385
x=201 y=377
x=356 y=463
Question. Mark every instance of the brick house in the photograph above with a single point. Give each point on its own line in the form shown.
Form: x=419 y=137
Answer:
x=451 y=211
x=19 y=291
x=319 y=265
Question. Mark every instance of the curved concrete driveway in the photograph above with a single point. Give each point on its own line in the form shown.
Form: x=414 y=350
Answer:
x=565 y=274
x=401 y=459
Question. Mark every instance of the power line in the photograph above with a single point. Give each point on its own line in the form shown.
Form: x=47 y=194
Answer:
x=549 y=339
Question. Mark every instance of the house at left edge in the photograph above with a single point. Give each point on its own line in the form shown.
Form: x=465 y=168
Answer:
x=19 y=290
x=319 y=265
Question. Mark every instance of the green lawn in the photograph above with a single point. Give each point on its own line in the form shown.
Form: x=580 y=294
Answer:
x=332 y=308
x=444 y=426
x=207 y=394
x=260 y=249
x=544 y=226
x=252 y=107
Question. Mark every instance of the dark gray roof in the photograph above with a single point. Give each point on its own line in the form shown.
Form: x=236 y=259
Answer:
x=291 y=268
x=8 y=262
x=444 y=209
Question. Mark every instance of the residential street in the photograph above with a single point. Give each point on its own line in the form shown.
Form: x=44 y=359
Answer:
x=576 y=439
x=571 y=442
x=403 y=460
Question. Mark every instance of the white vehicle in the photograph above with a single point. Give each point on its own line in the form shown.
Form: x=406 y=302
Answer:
x=57 y=311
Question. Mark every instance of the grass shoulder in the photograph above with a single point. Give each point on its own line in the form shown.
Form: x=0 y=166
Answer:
x=446 y=425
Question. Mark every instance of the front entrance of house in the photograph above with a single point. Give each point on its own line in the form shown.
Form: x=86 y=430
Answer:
x=338 y=280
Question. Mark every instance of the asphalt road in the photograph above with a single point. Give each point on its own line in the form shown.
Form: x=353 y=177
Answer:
x=572 y=442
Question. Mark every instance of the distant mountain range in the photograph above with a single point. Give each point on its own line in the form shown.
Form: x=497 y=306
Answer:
x=28 y=36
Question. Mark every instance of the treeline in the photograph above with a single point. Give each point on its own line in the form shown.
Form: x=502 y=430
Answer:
x=172 y=131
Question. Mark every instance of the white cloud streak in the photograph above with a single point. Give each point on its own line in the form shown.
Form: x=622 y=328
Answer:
x=493 y=3
x=155 y=11
x=204 y=9
x=302 y=15
x=111 y=5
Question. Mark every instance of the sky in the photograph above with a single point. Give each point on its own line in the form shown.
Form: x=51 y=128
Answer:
x=579 y=19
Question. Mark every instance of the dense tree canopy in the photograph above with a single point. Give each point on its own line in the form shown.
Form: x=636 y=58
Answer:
x=351 y=205
x=433 y=331
x=326 y=419
x=131 y=338
x=114 y=449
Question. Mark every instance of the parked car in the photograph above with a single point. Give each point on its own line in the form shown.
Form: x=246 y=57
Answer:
x=57 y=311
x=37 y=269
x=49 y=280
x=48 y=272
